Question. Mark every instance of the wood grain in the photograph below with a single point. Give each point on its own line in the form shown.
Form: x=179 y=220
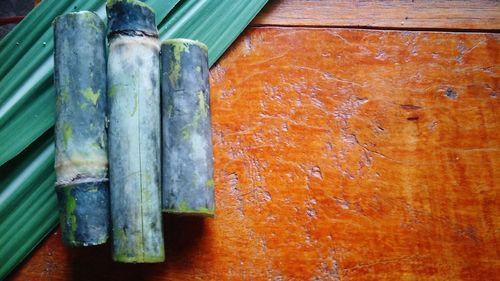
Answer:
x=339 y=155
x=400 y=14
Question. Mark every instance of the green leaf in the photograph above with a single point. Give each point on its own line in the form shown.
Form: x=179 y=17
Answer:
x=28 y=207
x=27 y=202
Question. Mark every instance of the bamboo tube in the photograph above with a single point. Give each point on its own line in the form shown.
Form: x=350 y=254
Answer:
x=134 y=132
x=188 y=186
x=81 y=150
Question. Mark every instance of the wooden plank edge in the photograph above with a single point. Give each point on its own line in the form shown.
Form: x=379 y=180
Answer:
x=478 y=15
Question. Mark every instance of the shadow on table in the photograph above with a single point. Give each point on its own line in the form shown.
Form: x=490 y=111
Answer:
x=182 y=238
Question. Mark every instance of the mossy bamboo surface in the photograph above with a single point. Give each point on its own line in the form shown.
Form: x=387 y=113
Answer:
x=187 y=170
x=134 y=132
x=81 y=160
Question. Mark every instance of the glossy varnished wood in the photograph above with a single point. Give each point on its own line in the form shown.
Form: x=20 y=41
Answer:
x=339 y=155
x=426 y=14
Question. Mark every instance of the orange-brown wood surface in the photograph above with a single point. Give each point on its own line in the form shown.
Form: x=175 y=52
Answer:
x=421 y=14
x=339 y=155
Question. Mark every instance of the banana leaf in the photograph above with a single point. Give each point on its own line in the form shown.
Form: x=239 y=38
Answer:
x=28 y=207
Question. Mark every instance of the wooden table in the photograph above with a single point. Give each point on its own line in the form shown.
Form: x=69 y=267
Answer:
x=341 y=153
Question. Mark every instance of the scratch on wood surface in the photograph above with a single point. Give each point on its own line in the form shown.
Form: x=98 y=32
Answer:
x=401 y=259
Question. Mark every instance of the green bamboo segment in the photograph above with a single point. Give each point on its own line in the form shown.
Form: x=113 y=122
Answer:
x=187 y=170
x=134 y=132
x=186 y=20
x=80 y=129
